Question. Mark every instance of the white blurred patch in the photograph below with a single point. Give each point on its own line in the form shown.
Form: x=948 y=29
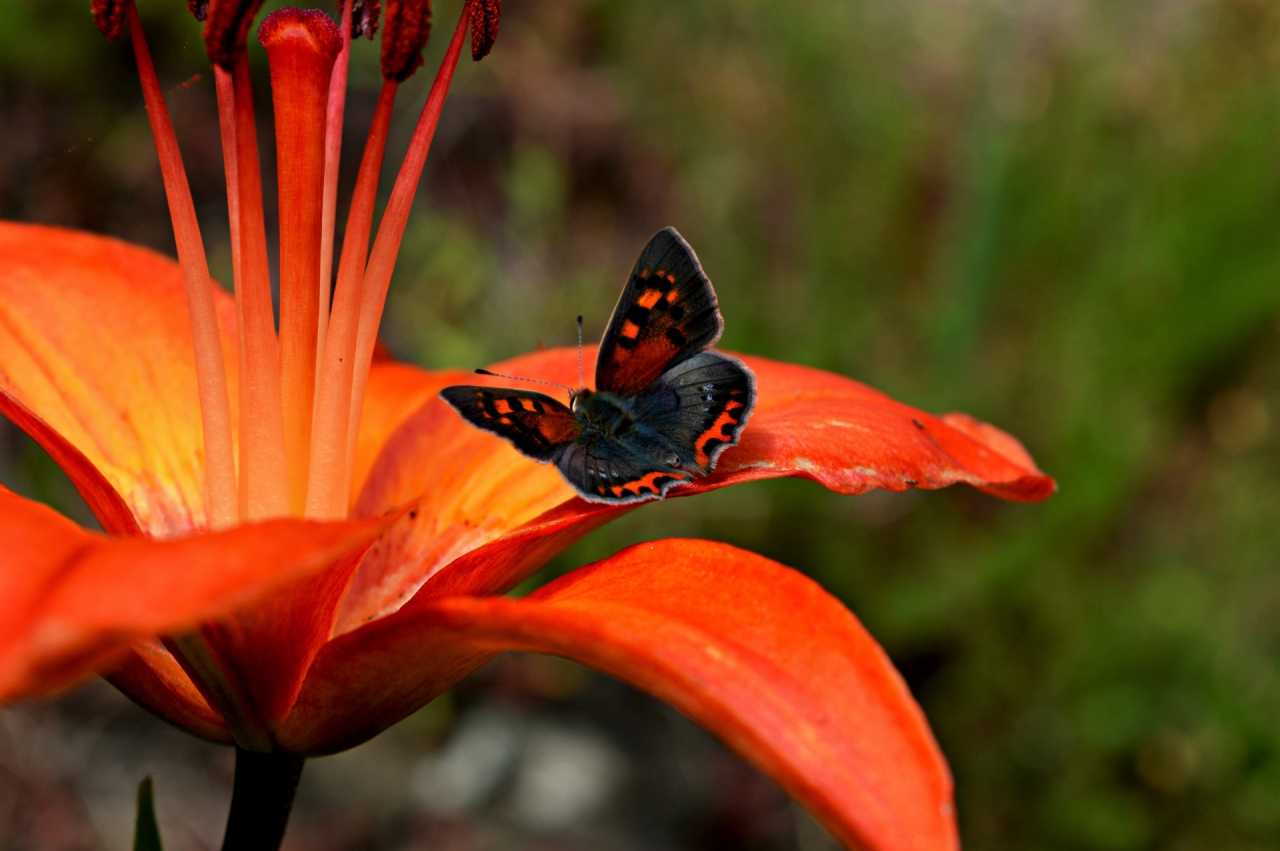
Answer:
x=566 y=775
x=469 y=769
x=543 y=775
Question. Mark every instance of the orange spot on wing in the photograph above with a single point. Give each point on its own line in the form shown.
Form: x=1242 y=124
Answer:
x=649 y=298
x=672 y=296
x=647 y=483
x=716 y=432
x=630 y=330
x=671 y=277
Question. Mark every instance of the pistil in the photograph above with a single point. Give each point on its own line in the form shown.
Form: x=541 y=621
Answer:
x=302 y=46
x=211 y=378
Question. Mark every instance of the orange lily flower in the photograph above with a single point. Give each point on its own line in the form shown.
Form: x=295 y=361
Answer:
x=306 y=545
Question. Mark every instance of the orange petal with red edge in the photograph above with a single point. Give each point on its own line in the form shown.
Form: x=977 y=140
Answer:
x=755 y=652
x=72 y=601
x=95 y=345
x=476 y=489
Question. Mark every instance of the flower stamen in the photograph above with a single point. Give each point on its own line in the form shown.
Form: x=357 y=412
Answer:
x=405 y=31
x=327 y=493
x=211 y=376
x=484 y=26
x=263 y=474
x=377 y=276
x=226 y=29
x=109 y=15
x=332 y=156
x=407 y=26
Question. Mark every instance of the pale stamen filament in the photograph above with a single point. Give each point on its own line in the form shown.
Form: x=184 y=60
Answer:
x=211 y=376
x=381 y=264
x=332 y=156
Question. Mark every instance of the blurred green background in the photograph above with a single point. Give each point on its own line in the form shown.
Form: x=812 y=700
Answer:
x=1060 y=217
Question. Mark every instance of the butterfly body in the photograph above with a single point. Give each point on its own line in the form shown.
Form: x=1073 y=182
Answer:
x=665 y=407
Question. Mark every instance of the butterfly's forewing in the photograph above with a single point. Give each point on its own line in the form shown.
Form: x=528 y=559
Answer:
x=534 y=423
x=666 y=314
x=610 y=469
x=698 y=407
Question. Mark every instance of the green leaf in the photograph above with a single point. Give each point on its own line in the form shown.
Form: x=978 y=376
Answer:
x=146 y=836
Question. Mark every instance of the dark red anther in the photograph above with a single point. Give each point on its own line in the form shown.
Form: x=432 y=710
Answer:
x=109 y=15
x=364 y=17
x=484 y=26
x=199 y=9
x=226 y=27
x=405 y=29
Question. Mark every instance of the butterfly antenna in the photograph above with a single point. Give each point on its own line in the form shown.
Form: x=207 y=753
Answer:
x=569 y=390
x=580 y=383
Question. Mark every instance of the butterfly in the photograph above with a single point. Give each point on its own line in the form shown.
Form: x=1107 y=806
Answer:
x=664 y=407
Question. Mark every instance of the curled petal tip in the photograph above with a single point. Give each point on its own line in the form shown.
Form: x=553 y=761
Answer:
x=226 y=27
x=484 y=26
x=405 y=31
x=199 y=9
x=364 y=17
x=109 y=15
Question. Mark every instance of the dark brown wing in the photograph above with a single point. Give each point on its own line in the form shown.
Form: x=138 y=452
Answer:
x=667 y=313
x=537 y=425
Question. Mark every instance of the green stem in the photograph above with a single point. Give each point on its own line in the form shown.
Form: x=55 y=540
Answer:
x=261 y=800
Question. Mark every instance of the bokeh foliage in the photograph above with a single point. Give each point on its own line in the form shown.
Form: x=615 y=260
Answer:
x=1063 y=218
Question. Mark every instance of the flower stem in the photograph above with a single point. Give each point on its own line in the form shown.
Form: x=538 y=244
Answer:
x=261 y=800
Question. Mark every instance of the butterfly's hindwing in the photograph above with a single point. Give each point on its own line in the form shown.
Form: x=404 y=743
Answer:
x=666 y=314
x=699 y=407
x=607 y=469
x=534 y=423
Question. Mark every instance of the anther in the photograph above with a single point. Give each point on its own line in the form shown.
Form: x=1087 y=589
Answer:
x=226 y=28
x=109 y=15
x=405 y=30
x=484 y=26
x=364 y=17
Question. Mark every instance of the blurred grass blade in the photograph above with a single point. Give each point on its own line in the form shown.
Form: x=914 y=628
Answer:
x=146 y=835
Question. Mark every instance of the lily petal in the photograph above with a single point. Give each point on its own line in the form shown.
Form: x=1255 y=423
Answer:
x=72 y=601
x=149 y=674
x=754 y=651
x=473 y=489
x=96 y=357
x=394 y=392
